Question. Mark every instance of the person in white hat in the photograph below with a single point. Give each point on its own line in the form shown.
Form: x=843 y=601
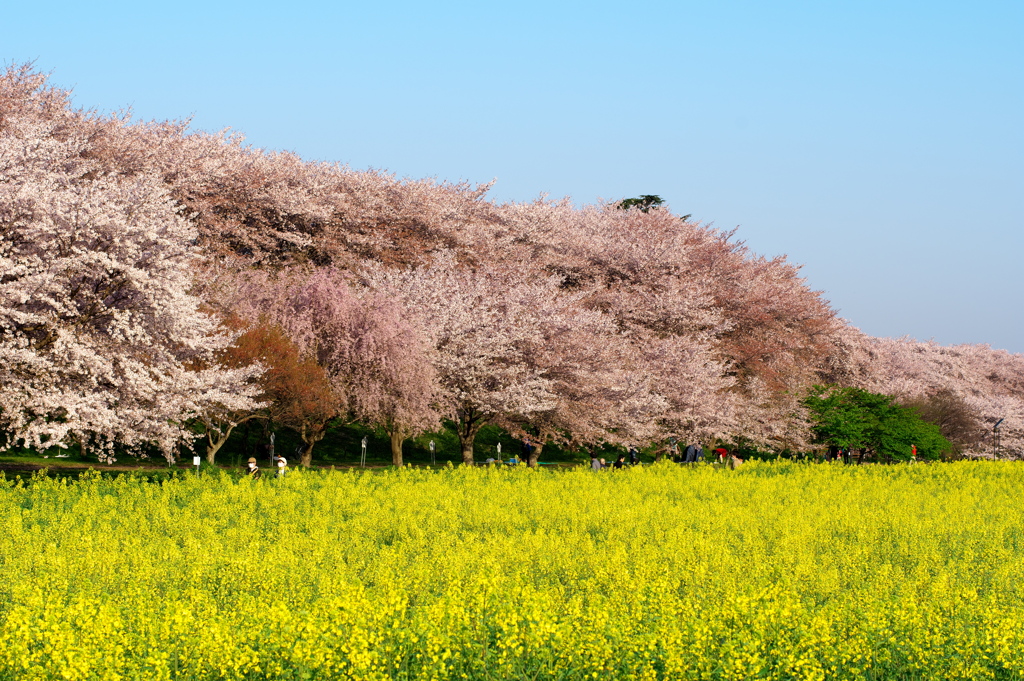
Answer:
x=282 y=466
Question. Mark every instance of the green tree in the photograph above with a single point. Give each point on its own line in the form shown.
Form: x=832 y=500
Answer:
x=852 y=418
x=645 y=202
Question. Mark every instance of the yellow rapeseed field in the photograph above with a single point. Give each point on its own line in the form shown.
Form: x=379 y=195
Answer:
x=772 y=571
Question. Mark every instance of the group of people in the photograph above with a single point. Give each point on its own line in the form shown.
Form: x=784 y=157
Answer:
x=688 y=454
x=695 y=453
x=252 y=469
x=598 y=463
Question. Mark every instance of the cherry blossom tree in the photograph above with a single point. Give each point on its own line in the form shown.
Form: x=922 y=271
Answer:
x=754 y=332
x=100 y=338
x=295 y=390
x=484 y=332
x=601 y=387
x=375 y=360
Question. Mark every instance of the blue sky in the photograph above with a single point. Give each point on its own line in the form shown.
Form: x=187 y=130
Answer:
x=879 y=144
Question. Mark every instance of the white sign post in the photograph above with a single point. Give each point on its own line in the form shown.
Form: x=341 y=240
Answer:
x=432 y=462
x=195 y=462
x=362 y=458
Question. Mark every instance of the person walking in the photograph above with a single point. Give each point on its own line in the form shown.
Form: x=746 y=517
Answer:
x=620 y=462
x=673 y=450
x=595 y=463
x=691 y=454
x=252 y=470
x=634 y=456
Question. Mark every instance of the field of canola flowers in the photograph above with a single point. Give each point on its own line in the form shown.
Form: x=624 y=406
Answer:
x=773 y=571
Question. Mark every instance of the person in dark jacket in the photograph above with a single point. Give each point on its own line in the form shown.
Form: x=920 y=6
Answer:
x=251 y=469
x=620 y=462
x=527 y=450
x=634 y=456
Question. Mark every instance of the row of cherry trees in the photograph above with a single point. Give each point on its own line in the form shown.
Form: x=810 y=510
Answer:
x=157 y=285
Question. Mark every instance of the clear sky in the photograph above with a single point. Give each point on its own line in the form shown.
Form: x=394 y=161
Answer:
x=879 y=144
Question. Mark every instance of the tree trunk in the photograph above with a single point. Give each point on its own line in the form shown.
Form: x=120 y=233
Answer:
x=467 y=446
x=215 y=439
x=534 y=455
x=397 y=438
x=214 y=443
x=470 y=421
x=310 y=438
